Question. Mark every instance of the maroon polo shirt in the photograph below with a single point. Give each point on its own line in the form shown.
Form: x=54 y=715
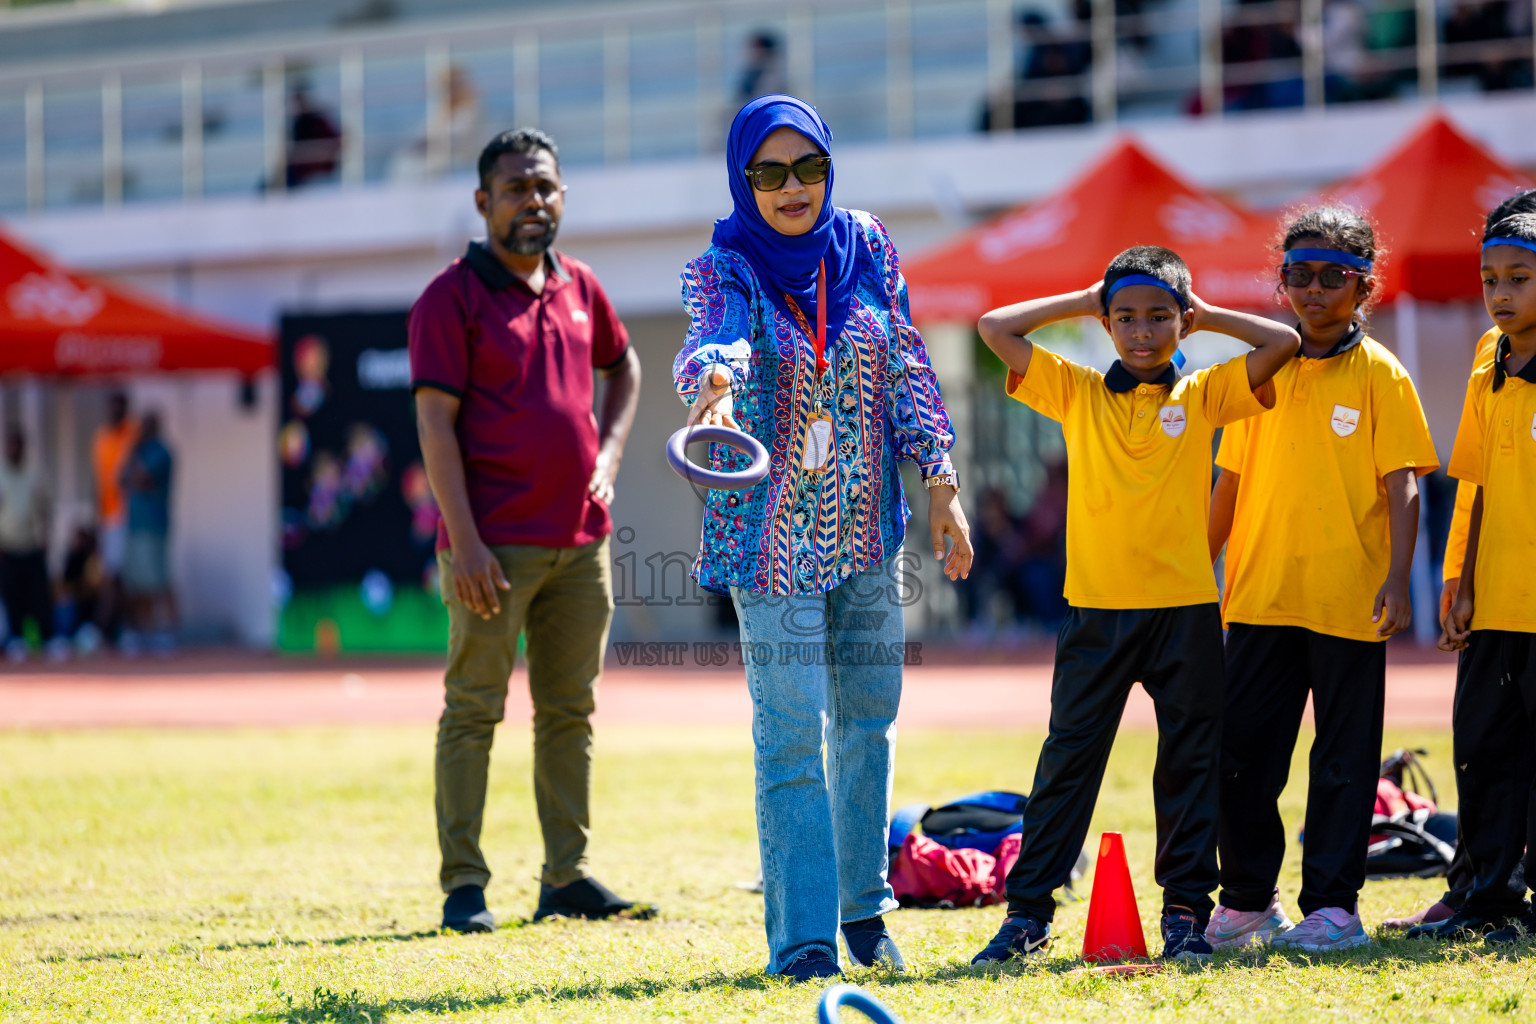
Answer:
x=521 y=366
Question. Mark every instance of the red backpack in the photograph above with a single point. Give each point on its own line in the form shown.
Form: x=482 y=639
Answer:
x=959 y=855
x=1410 y=835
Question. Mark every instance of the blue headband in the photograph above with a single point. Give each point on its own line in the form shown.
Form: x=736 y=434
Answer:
x=1156 y=282
x=1519 y=242
x=1349 y=259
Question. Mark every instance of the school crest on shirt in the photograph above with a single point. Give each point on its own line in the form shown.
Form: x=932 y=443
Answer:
x=1345 y=420
x=1173 y=419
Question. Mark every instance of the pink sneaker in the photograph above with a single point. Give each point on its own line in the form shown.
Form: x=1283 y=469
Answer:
x=1325 y=930
x=1230 y=928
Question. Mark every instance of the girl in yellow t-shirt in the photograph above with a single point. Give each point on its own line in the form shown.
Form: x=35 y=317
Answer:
x=1318 y=508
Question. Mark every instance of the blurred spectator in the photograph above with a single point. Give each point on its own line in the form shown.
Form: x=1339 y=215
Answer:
x=1049 y=54
x=109 y=451
x=466 y=136
x=314 y=141
x=1488 y=21
x=79 y=592
x=764 y=69
x=1020 y=558
x=24 y=549
x=1044 y=570
x=1344 y=56
x=1000 y=546
x=461 y=112
x=1266 y=42
x=146 y=481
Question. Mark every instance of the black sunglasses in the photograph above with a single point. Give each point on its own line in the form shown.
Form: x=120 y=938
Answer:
x=1297 y=275
x=809 y=170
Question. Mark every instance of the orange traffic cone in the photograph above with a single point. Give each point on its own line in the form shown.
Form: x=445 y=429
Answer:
x=1114 y=925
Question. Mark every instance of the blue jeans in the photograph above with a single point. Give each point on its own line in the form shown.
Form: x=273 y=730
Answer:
x=823 y=666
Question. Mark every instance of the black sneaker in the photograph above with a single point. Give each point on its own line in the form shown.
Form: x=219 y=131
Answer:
x=588 y=898
x=811 y=962
x=464 y=911
x=1460 y=925
x=1183 y=935
x=1020 y=935
x=870 y=944
x=1522 y=929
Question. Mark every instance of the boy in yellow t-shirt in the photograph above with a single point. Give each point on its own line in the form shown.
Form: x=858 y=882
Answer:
x=1458 y=882
x=1493 y=618
x=1461 y=516
x=1318 y=507
x=1139 y=584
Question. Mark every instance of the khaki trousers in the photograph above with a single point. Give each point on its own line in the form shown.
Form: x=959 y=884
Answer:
x=562 y=600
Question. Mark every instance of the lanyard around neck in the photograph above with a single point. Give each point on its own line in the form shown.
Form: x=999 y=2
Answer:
x=819 y=336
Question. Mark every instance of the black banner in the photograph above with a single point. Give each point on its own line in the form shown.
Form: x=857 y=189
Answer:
x=356 y=505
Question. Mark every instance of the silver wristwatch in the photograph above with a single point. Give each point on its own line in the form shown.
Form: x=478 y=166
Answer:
x=951 y=478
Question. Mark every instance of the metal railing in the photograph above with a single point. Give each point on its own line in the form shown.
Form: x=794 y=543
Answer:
x=645 y=81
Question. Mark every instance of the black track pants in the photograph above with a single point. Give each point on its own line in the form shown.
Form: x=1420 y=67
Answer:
x=1176 y=655
x=1458 y=877
x=1270 y=671
x=1494 y=726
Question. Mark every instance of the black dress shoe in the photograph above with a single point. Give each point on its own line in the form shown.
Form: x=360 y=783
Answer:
x=1522 y=930
x=464 y=911
x=1460 y=925
x=588 y=898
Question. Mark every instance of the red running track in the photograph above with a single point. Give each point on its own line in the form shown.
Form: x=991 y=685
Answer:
x=228 y=690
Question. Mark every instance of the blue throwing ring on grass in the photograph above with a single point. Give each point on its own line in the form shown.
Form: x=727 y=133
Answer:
x=677 y=458
x=829 y=1011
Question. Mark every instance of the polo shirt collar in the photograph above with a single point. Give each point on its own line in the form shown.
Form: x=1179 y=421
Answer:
x=1354 y=337
x=1527 y=372
x=1119 y=379
x=495 y=275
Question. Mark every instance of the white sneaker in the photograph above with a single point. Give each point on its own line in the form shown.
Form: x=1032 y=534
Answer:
x=1230 y=928
x=1324 y=930
x=87 y=639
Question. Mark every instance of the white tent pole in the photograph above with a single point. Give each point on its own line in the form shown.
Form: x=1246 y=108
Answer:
x=66 y=469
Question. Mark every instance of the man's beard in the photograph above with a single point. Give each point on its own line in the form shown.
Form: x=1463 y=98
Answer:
x=531 y=245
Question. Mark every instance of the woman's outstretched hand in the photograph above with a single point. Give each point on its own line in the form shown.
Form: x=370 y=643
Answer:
x=712 y=406
x=945 y=517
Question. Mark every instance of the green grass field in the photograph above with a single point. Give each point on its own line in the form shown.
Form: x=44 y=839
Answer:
x=290 y=876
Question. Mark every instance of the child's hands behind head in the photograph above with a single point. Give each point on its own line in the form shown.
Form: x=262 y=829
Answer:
x=1198 y=316
x=1094 y=296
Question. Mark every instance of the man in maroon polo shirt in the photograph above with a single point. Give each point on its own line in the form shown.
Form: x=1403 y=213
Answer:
x=503 y=347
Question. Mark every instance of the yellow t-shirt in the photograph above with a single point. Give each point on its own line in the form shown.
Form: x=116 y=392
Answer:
x=1461 y=516
x=1310 y=544
x=1496 y=450
x=1139 y=483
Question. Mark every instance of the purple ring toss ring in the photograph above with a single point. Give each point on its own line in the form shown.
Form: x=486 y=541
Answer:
x=677 y=458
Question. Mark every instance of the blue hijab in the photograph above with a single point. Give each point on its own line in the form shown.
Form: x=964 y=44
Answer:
x=788 y=263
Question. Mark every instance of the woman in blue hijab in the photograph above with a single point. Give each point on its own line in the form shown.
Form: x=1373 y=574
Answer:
x=800 y=336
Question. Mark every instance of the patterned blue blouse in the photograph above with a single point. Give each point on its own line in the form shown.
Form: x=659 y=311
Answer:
x=798 y=531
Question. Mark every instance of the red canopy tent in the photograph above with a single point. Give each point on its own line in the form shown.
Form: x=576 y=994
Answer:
x=1428 y=197
x=56 y=323
x=1064 y=242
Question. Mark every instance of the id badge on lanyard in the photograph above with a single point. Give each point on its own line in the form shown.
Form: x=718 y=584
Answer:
x=820 y=438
